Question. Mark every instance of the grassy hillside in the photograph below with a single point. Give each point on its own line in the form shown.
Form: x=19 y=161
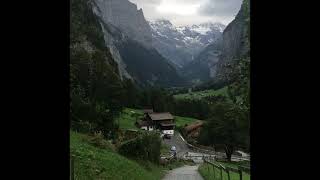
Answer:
x=181 y=121
x=128 y=118
x=208 y=173
x=91 y=162
x=202 y=94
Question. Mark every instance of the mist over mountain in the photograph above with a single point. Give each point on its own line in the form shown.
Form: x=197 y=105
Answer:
x=181 y=44
x=212 y=64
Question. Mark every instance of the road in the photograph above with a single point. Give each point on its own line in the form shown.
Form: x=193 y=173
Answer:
x=183 y=149
x=180 y=145
x=184 y=173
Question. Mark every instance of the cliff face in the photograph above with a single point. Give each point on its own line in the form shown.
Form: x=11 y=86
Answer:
x=235 y=42
x=125 y=16
x=212 y=62
x=112 y=36
x=128 y=37
x=204 y=67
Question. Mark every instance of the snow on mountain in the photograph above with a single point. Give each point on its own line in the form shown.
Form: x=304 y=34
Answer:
x=180 y=43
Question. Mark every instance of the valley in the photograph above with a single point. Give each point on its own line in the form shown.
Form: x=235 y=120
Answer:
x=150 y=99
x=203 y=94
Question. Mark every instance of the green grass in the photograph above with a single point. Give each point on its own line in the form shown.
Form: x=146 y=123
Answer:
x=208 y=172
x=202 y=94
x=127 y=119
x=235 y=164
x=91 y=162
x=181 y=121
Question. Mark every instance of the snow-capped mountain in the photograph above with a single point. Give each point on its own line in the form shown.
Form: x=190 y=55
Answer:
x=182 y=44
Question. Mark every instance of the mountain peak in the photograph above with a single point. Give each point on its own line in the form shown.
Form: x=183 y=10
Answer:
x=162 y=21
x=180 y=43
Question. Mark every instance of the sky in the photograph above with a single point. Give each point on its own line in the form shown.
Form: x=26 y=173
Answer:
x=189 y=12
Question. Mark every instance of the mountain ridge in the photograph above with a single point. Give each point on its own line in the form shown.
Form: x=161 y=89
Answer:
x=123 y=34
x=181 y=44
x=213 y=63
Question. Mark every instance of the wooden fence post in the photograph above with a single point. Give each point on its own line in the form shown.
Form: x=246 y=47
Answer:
x=214 y=172
x=227 y=170
x=240 y=174
x=221 y=173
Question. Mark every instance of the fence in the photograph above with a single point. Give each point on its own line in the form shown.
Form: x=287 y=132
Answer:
x=226 y=169
x=210 y=152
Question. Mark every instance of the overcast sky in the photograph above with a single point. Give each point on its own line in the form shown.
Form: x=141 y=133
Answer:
x=188 y=12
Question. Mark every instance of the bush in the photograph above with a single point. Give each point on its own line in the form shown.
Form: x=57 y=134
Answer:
x=145 y=147
x=98 y=140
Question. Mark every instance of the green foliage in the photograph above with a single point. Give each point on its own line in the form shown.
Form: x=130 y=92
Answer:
x=203 y=94
x=98 y=140
x=144 y=147
x=131 y=94
x=128 y=117
x=95 y=88
x=239 y=91
x=182 y=121
x=92 y=162
x=228 y=125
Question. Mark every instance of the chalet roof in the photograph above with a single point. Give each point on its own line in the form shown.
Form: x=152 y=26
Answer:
x=160 y=116
x=167 y=124
x=147 y=111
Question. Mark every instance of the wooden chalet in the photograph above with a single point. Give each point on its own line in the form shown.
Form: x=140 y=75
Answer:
x=153 y=120
x=147 y=111
x=162 y=121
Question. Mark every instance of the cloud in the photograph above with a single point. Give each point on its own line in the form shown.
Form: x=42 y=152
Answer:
x=146 y=2
x=206 y=10
x=223 y=8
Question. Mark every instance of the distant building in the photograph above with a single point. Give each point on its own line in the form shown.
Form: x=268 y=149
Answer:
x=145 y=125
x=153 y=120
x=147 y=111
x=162 y=121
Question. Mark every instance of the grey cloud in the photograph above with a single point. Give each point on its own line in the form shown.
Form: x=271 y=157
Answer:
x=156 y=2
x=220 y=7
x=210 y=10
x=146 y=2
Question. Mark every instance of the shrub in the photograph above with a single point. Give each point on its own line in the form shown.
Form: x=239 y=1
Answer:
x=98 y=140
x=145 y=147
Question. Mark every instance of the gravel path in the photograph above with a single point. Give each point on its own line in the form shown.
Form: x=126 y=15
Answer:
x=184 y=173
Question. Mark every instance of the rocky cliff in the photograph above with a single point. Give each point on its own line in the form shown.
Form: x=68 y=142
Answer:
x=125 y=15
x=212 y=62
x=236 y=41
x=128 y=36
x=204 y=67
x=181 y=44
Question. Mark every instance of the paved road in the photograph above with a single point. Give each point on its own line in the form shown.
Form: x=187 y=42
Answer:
x=183 y=149
x=180 y=145
x=184 y=173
